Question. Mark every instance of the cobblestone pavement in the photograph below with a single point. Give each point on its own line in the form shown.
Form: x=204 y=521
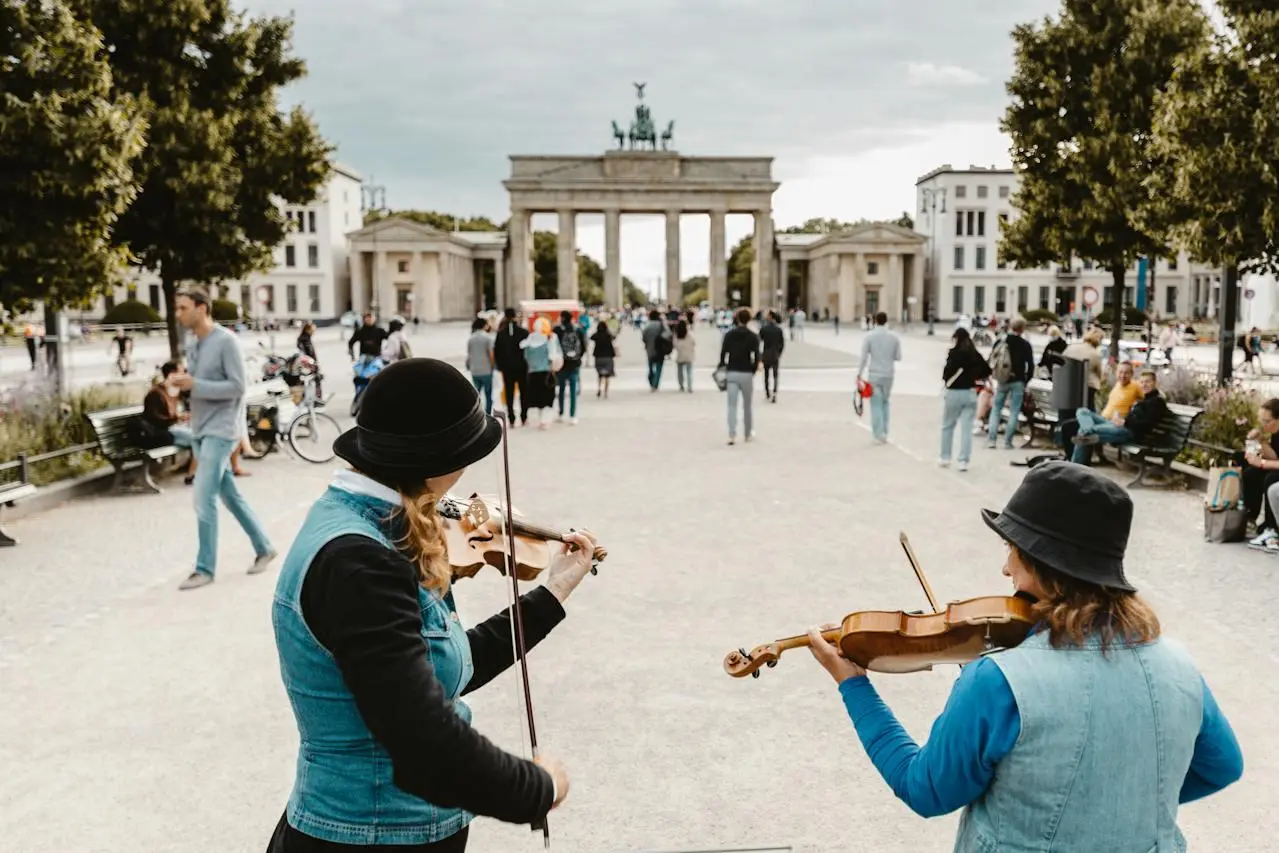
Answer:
x=134 y=717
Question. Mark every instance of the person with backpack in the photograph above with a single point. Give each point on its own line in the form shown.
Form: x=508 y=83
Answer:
x=573 y=347
x=657 y=346
x=1012 y=364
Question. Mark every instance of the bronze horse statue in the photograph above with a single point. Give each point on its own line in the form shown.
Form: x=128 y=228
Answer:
x=668 y=135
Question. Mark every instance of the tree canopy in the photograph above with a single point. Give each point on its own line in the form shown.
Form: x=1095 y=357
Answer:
x=437 y=220
x=1083 y=97
x=67 y=139
x=220 y=155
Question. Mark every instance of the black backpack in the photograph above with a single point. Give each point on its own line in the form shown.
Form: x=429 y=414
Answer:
x=664 y=344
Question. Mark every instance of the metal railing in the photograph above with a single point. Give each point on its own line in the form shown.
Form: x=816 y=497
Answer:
x=25 y=460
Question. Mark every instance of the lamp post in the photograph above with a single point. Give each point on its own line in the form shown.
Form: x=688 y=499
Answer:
x=930 y=205
x=373 y=199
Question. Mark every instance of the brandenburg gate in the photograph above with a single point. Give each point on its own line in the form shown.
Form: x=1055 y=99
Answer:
x=639 y=179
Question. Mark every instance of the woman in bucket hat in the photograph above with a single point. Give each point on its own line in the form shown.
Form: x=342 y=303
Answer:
x=1088 y=735
x=373 y=656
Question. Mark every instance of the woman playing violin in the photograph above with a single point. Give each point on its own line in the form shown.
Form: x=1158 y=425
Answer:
x=373 y=656
x=1086 y=736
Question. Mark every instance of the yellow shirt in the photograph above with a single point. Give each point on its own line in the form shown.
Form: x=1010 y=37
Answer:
x=1121 y=400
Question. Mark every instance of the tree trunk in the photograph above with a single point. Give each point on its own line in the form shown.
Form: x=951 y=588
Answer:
x=170 y=289
x=1229 y=311
x=1118 y=272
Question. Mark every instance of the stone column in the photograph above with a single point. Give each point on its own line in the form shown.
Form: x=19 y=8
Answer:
x=383 y=291
x=521 y=284
x=718 y=278
x=859 y=286
x=566 y=254
x=674 y=293
x=846 y=286
x=499 y=283
x=432 y=285
x=893 y=289
x=358 y=296
x=762 y=269
x=917 y=286
x=613 y=259
x=783 y=284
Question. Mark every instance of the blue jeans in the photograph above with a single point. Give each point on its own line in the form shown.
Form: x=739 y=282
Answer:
x=959 y=408
x=213 y=480
x=569 y=377
x=684 y=370
x=740 y=383
x=1091 y=423
x=181 y=435
x=655 y=371
x=484 y=384
x=881 y=389
x=1014 y=393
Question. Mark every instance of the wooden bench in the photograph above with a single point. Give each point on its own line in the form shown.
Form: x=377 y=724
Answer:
x=1163 y=443
x=12 y=492
x=118 y=432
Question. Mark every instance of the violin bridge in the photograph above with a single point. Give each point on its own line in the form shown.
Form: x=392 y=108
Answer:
x=477 y=512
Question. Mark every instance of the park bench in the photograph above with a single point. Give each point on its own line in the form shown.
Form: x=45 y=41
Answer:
x=1163 y=443
x=13 y=491
x=119 y=435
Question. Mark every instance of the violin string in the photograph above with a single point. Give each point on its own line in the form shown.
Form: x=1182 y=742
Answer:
x=507 y=550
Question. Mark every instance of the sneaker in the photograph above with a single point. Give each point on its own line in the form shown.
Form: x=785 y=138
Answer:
x=1272 y=547
x=572 y=421
x=731 y=441
x=262 y=561
x=962 y=466
x=196 y=580
x=943 y=463
x=1263 y=539
x=990 y=445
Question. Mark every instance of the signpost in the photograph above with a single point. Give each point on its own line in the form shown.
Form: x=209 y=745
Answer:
x=1091 y=296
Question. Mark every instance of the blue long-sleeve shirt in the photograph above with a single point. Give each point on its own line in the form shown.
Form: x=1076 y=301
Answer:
x=978 y=727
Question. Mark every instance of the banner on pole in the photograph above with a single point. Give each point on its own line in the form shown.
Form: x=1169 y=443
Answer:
x=1141 y=284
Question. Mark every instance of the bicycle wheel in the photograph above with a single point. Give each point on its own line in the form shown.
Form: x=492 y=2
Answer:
x=311 y=435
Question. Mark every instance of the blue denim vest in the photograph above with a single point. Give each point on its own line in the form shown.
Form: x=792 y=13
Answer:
x=1104 y=748
x=343 y=789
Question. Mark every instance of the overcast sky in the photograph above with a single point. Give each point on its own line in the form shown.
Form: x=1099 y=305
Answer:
x=854 y=98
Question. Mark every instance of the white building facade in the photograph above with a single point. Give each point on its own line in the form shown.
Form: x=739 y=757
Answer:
x=311 y=278
x=960 y=212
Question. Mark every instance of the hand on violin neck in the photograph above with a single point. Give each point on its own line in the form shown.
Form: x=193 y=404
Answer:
x=828 y=655
x=569 y=567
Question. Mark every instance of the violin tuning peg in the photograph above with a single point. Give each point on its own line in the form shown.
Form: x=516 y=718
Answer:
x=755 y=674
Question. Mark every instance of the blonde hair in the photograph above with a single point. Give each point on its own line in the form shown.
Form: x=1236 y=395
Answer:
x=1094 y=336
x=543 y=326
x=1074 y=609
x=423 y=539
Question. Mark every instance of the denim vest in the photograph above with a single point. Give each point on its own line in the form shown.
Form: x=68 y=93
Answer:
x=1104 y=748
x=343 y=790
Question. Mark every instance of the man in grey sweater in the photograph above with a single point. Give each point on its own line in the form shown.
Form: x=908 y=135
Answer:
x=881 y=350
x=216 y=379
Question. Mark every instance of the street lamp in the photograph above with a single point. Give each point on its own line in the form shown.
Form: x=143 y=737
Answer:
x=373 y=199
x=930 y=204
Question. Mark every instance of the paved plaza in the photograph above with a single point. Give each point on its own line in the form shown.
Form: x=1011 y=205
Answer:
x=134 y=717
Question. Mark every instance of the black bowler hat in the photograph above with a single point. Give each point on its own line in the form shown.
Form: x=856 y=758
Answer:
x=1070 y=519
x=419 y=418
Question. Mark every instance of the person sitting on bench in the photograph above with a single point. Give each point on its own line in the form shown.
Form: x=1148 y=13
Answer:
x=1122 y=398
x=1141 y=419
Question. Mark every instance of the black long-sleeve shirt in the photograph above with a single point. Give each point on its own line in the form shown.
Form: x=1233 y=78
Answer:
x=1023 y=357
x=966 y=366
x=369 y=338
x=1145 y=414
x=360 y=601
x=1052 y=354
x=773 y=340
x=740 y=350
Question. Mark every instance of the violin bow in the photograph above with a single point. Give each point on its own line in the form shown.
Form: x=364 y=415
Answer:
x=517 y=616
x=919 y=572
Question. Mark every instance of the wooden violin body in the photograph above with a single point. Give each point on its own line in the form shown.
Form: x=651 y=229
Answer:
x=473 y=533
x=897 y=642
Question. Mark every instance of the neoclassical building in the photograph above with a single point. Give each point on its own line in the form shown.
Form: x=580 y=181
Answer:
x=870 y=268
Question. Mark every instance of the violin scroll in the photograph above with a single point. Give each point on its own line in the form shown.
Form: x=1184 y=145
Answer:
x=741 y=663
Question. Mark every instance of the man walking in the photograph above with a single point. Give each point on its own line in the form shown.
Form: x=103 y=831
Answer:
x=773 y=342
x=216 y=380
x=509 y=359
x=479 y=361
x=657 y=345
x=881 y=349
x=1012 y=365
x=573 y=347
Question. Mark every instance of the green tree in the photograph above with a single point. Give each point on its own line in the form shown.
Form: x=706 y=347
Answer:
x=632 y=294
x=435 y=219
x=220 y=154
x=66 y=143
x=1215 y=133
x=1083 y=94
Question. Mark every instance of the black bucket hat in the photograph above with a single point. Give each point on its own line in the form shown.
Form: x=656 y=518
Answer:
x=1070 y=519
x=420 y=418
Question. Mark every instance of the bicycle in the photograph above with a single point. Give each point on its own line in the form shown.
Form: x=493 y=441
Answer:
x=310 y=433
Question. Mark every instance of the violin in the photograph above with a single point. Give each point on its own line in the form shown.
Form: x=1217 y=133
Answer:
x=475 y=534
x=896 y=641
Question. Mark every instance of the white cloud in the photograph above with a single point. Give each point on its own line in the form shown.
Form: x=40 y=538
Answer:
x=928 y=74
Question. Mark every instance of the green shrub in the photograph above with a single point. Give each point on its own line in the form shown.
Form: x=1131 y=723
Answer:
x=131 y=313
x=34 y=421
x=225 y=311
x=1229 y=415
x=1132 y=317
x=1040 y=315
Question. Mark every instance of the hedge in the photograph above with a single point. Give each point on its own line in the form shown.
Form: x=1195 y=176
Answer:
x=131 y=312
x=1132 y=317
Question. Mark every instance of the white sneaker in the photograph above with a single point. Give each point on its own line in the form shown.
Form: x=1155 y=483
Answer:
x=572 y=421
x=962 y=466
x=943 y=463
x=1263 y=539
